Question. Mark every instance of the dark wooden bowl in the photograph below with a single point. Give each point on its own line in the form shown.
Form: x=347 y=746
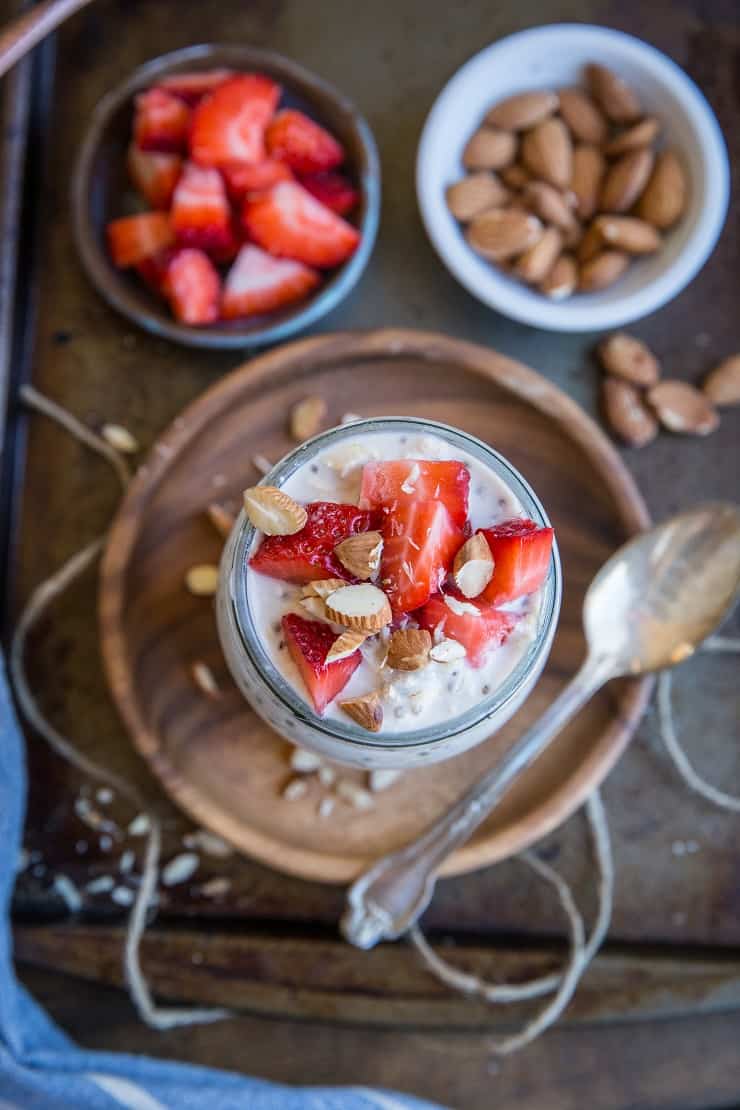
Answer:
x=101 y=192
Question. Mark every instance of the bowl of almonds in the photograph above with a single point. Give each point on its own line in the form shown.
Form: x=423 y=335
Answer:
x=572 y=177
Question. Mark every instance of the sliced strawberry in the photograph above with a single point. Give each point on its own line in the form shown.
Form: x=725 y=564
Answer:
x=521 y=559
x=192 y=87
x=201 y=216
x=478 y=626
x=161 y=122
x=302 y=143
x=288 y=222
x=242 y=178
x=133 y=238
x=309 y=554
x=153 y=270
x=154 y=175
x=193 y=287
x=308 y=643
x=385 y=484
x=420 y=540
x=229 y=124
x=257 y=282
x=334 y=190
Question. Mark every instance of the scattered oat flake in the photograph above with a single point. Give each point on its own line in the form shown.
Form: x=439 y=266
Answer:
x=23 y=860
x=105 y=842
x=356 y=795
x=215 y=888
x=208 y=843
x=261 y=464
x=304 y=761
x=327 y=776
x=204 y=679
x=101 y=885
x=126 y=862
x=221 y=519
x=104 y=795
x=350 y=418
x=140 y=825
x=202 y=579
x=382 y=778
x=119 y=438
x=122 y=896
x=68 y=892
x=295 y=789
x=180 y=868
x=326 y=807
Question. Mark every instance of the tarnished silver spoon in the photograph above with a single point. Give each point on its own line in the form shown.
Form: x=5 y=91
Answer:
x=648 y=608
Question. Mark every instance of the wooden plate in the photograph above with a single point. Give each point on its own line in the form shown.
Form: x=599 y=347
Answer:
x=216 y=758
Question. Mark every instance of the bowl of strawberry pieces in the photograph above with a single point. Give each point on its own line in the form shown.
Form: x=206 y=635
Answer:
x=225 y=197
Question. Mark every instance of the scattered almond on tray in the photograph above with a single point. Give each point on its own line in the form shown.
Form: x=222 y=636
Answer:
x=565 y=189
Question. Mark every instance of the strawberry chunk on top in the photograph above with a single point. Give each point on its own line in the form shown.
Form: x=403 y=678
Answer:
x=302 y=143
x=257 y=282
x=154 y=175
x=334 y=190
x=308 y=643
x=191 y=87
x=244 y=177
x=161 y=122
x=134 y=238
x=287 y=221
x=229 y=124
x=477 y=625
x=201 y=216
x=308 y=555
x=193 y=287
x=385 y=484
x=521 y=557
x=420 y=541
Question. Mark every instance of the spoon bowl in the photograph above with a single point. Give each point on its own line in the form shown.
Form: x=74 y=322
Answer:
x=659 y=596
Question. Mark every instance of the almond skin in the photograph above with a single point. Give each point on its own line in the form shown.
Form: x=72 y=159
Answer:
x=408 y=649
x=628 y=358
x=360 y=554
x=627 y=414
x=322 y=587
x=273 y=511
x=682 y=408
x=722 y=386
x=503 y=233
x=534 y=264
x=562 y=280
x=475 y=194
x=366 y=711
x=345 y=645
x=489 y=149
x=515 y=176
x=642 y=134
x=221 y=519
x=602 y=270
x=628 y=234
x=625 y=181
x=589 y=166
x=664 y=199
x=547 y=151
x=549 y=204
x=522 y=111
x=590 y=245
x=307 y=417
x=614 y=96
x=583 y=117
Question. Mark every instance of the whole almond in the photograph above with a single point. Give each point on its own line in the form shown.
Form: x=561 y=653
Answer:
x=307 y=417
x=475 y=194
x=549 y=204
x=502 y=233
x=627 y=233
x=722 y=386
x=363 y=608
x=534 y=264
x=625 y=181
x=408 y=649
x=345 y=645
x=522 y=111
x=473 y=565
x=642 y=134
x=664 y=199
x=366 y=711
x=515 y=176
x=613 y=95
x=323 y=587
x=628 y=358
x=489 y=149
x=590 y=245
x=588 y=173
x=583 y=116
x=602 y=270
x=360 y=554
x=547 y=151
x=273 y=511
x=202 y=579
x=682 y=408
x=562 y=280
x=626 y=413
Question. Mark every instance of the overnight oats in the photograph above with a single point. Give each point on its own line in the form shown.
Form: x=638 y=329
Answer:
x=389 y=594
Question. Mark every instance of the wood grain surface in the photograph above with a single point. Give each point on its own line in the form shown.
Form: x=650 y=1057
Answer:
x=216 y=757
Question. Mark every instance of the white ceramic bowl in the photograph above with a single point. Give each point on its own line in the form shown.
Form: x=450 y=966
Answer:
x=552 y=57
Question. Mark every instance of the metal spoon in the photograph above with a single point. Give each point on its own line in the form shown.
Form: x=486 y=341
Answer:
x=648 y=608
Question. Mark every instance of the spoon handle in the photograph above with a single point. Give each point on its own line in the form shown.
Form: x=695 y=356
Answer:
x=386 y=901
x=28 y=29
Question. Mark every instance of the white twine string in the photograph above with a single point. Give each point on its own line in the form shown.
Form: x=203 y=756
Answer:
x=42 y=597
x=561 y=985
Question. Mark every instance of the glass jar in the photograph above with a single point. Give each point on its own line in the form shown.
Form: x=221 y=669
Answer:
x=275 y=700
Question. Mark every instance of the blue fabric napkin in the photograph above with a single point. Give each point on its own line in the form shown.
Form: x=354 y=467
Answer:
x=41 y=1069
